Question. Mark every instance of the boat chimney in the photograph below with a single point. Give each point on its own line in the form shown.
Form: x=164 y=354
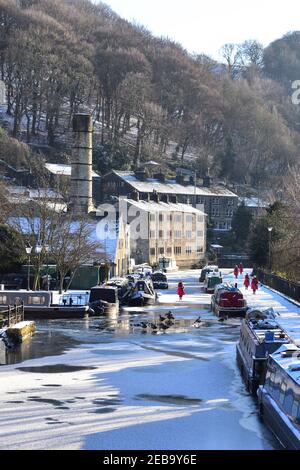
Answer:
x=81 y=174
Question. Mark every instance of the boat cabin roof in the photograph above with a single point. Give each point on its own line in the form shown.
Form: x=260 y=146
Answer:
x=259 y=329
x=211 y=268
x=117 y=281
x=288 y=359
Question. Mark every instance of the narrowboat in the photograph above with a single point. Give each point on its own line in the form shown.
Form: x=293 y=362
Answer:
x=279 y=396
x=206 y=270
x=159 y=280
x=211 y=281
x=260 y=336
x=142 y=293
x=104 y=300
x=228 y=300
x=122 y=284
x=40 y=305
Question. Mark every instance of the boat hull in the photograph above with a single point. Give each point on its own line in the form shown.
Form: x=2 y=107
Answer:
x=277 y=421
x=251 y=382
x=55 y=313
x=229 y=312
x=141 y=301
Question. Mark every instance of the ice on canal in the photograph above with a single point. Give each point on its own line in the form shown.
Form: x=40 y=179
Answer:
x=108 y=386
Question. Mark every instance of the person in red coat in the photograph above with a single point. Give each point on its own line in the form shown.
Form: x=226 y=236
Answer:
x=180 y=290
x=241 y=268
x=254 y=284
x=247 y=281
x=236 y=272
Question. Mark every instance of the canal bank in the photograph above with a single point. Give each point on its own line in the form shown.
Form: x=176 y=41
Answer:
x=118 y=388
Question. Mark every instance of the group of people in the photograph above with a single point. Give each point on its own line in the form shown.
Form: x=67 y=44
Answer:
x=254 y=283
x=238 y=270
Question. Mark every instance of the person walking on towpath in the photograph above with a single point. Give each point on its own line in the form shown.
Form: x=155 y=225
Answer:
x=236 y=272
x=241 y=268
x=247 y=281
x=254 y=284
x=180 y=290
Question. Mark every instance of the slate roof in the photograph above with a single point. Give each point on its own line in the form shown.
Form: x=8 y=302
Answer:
x=171 y=186
x=151 y=206
x=61 y=169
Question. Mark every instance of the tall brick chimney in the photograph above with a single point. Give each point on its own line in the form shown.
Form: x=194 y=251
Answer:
x=81 y=174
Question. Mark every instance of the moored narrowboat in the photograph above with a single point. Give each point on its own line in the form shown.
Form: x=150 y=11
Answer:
x=143 y=293
x=260 y=336
x=104 y=300
x=228 y=300
x=41 y=305
x=211 y=281
x=279 y=396
x=206 y=270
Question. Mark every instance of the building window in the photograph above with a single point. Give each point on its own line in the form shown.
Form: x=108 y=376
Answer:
x=188 y=234
x=161 y=217
x=189 y=218
x=152 y=234
x=178 y=233
x=177 y=250
x=161 y=233
x=188 y=250
x=200 y=249
x=178 y=218
x=152 y=251
x=216 y=212
x=36 y=300
x=152 y=217
x=200 y=218
x=161 y=251
x=216 y=200
x=3 y=299
x=169 y=250
x=230 y=202
x=199 y=233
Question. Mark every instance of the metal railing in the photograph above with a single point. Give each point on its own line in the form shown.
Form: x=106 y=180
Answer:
x=12 y=316
x=288 y=288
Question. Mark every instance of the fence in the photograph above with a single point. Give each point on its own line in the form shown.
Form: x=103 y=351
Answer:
x=12 y=315
x=288 y=288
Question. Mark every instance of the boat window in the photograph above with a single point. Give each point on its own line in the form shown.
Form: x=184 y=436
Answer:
x=282 y=392
x=288 y=402
x=3 y=299
x=296 y=408
x=36 y=300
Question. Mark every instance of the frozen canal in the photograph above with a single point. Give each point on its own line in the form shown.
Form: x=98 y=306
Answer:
x=101 y=384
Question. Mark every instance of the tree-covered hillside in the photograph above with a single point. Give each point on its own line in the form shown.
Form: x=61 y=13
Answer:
x=150 y=99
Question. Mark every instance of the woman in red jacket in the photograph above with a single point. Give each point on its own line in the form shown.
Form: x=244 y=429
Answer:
x=180 y=290
x=254 y=284
x=236 y=272
x=247 y=281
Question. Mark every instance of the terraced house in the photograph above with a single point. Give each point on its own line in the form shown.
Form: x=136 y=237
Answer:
x=219 y=202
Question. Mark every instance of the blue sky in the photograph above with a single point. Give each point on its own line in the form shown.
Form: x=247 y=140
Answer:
x=204 y=26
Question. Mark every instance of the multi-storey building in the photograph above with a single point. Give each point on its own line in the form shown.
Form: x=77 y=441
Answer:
x=219 y=203
x=172 y=232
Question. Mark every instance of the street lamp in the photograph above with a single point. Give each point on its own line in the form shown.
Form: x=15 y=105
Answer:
x=28 y=251
x=270 y=230
x=47 y=248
